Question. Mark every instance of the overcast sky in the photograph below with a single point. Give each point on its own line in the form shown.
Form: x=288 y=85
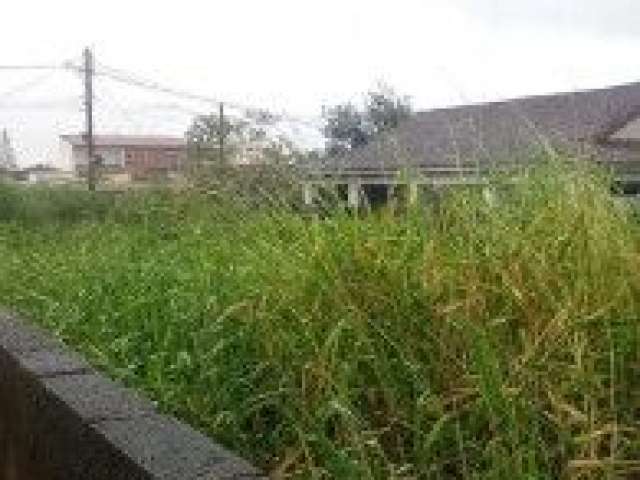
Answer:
x=297 y=55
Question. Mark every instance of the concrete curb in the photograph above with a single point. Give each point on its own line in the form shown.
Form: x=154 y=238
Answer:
x=62 y=420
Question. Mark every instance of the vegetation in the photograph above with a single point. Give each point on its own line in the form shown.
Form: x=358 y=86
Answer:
x=349 y=126
x=249 y=140
x=494 y=338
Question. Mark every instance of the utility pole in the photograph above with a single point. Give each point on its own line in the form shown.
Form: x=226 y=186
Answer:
x=221 y=135
x=88 y=103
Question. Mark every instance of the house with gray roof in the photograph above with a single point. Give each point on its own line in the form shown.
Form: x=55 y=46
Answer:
x=462 y=144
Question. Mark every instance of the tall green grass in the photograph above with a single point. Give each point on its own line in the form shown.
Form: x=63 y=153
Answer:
x=490 y=338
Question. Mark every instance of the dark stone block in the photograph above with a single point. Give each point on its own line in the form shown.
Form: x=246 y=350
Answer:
x=232 y=468
x=170 y=450
x=92 y=397
x=17 y=336
x=59 y=420
x=49 y=363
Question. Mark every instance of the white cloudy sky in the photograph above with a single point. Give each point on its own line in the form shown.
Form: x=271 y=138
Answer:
x=296 y=55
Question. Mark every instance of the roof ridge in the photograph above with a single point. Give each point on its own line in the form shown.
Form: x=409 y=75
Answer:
x=539 y=96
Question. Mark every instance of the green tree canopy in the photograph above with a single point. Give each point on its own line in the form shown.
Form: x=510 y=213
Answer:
x=349 y=126
x=244 y=140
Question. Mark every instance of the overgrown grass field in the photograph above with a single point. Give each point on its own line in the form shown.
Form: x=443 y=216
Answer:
x=488 y=338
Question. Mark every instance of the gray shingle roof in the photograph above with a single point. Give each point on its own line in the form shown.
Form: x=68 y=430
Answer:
x=496 y=132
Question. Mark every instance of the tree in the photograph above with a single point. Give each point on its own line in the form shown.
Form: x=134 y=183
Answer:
x=348 y=127
x=255 y=139
x=206 y=131
x=244 y=141
x=345 y=128
x=7 y=153
x=385 y=109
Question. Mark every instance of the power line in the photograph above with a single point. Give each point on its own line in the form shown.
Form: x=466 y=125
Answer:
x=257 y=114
x=176 y=112
x=33 y=67
x=124 y=77
x=259 y=117
x=110 y=109
x=67 y=64
x=111 y=99
x=28 y=85
x=69 y=103
x=23 y=87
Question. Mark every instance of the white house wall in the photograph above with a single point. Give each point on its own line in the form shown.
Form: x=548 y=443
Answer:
x=111 y=156
x=66 y=156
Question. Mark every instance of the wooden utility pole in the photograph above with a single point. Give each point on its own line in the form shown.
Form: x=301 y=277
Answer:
x=221 y=135
x=88 y=104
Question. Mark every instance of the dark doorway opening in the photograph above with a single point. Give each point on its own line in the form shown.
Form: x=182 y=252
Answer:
x=376 y=195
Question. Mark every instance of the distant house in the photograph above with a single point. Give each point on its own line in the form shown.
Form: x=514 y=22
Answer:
x=43 y=174
x=9 y=174
x=461 y=144
x=130 y=156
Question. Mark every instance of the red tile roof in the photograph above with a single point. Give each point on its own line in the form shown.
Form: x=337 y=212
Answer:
x=127 y=141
